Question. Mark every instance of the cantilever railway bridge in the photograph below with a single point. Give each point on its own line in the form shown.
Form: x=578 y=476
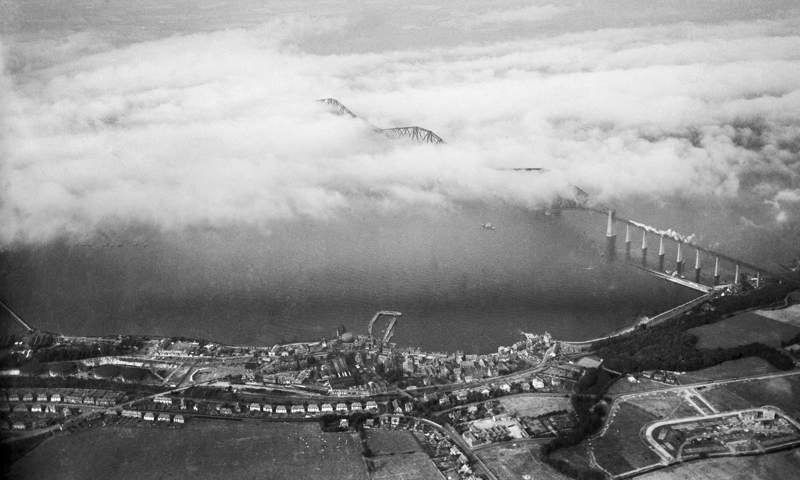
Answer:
x=418 y=134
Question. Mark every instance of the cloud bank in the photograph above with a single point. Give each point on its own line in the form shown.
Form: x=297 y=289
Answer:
x=220 y=128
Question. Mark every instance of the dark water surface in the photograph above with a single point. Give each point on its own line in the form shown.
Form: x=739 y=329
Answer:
x=458 y=285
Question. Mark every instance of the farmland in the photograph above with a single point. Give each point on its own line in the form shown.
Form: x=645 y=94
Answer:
x=729 y=369
x=412 y=466
x=664 y=405
x=202 y=449
x=510 y=461
x=535 y=405
x=742 y=329
x=620 y=448
x=771 y=466
x=782 y=392
x=390 y=442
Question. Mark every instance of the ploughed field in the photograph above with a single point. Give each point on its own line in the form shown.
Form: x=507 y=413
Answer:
x=202 y=449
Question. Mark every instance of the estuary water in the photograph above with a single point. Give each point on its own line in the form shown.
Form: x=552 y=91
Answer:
x=459 y=286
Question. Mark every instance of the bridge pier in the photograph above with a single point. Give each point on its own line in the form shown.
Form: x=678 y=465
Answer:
x=628 y=241
x=697 y=266
x=679 y=260
x=736 y=275
x=644 y=247
x=661 y=253
x=716 y=270
x=611 y=238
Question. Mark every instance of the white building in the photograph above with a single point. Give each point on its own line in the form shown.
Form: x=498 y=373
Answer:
x=327 y=408
x=341 y=407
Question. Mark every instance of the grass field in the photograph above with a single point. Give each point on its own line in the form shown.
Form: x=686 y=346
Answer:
x=620 y=449
x=664 y=405
x=533 y=405
x=510 y=461
x=730 y=369
x=624 y=387
x=412 y=466
x=202 y=449
x=723 y=399
x=789 y=315
x=742 y=329
x=783 y=392
x=390 y=442
x=773 y=466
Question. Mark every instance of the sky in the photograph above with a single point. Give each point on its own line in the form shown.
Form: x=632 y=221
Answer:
x=185 y=114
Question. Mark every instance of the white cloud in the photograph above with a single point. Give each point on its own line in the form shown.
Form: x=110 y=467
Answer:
x=220 y=127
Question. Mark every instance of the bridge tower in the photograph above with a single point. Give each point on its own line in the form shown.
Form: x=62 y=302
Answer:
x=628 y=241
x=716 y=270
x=679 y=260
x=611 y=238
x=661 y=253
x=697 y=265
x=644 y=247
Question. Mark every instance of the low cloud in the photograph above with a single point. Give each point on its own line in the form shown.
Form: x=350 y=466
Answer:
x=220 y=128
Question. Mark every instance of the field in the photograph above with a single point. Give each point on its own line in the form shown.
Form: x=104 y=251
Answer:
x=390 y=442
x=624 y=387
x=789 y=315
x=782 y=392
x=412 y=466
x=772 y=466
x=620 y=449
x=534 y=405
x=510 y=461
x=724 y=400
x=202 y=449
x=730 y=369
x=664 y=405
x=742 y=329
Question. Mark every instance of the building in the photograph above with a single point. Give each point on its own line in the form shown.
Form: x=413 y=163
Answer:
x=18 y=426
x=372 y=406
x=313 y=408
x=177 y=419
x=149 y=416
x=298 y=409
x=267 y=408
x=41 y=397
x=280 y=409
x=162 y=400
x=341 y=407
x=56 y=397
x=163 y=417
x=326 y=408
x=355 y=407
x=255 y=407
x=36 y=408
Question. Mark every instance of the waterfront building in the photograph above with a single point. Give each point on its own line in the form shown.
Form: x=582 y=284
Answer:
x=341 y=407
x=326 y=408
x=41 y=397
x=355 y=407
x=372 y=406
x=267 y=408
x=298 y=409
x=313 y=408
x=280 y=409
x=255 y=407
x=163 y=417
x=149 y=416
x=177 y=418
x=56 y=397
